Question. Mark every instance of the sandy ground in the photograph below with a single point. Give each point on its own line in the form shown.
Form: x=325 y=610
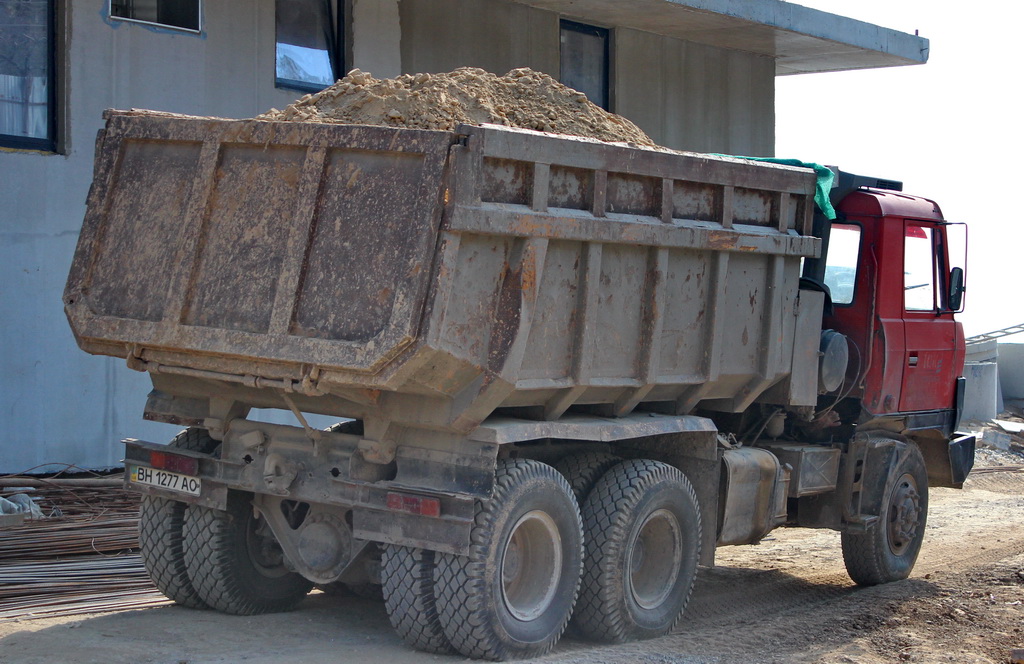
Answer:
x=785 y=600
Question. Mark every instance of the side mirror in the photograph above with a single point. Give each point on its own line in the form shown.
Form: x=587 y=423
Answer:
x=956 y=288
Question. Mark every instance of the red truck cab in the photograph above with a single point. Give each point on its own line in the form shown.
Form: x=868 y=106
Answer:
x=912 y=350
x=893 y=268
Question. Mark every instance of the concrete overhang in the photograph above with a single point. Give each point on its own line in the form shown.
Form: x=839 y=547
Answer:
x=800 y=39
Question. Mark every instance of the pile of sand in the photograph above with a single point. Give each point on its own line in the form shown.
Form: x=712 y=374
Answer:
x=521 y=98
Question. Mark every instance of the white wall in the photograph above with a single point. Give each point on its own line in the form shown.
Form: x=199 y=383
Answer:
x=60 y=405
x=376 y=37
x=441 y=35
x=684 y=95
x=693 y=97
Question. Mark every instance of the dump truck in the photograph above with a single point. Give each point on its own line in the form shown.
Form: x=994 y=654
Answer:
x=564 y=371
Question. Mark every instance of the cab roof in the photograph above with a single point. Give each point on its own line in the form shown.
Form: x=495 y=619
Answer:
x=885 y=203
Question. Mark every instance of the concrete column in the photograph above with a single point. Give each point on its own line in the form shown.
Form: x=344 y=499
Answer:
x=981 y=393
x=1011 y=371
x=376 y=37
x=982 y=400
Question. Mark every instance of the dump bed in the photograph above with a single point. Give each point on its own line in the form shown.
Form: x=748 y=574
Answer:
x=431 y=278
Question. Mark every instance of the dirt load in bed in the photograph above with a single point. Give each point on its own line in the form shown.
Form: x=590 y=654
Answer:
x=522 y=98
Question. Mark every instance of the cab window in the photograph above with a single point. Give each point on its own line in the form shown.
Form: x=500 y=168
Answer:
x=919 y=268
x=841 y=264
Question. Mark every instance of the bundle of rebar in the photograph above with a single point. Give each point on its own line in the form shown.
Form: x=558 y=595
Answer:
x=84 y=584
x=66 y=536
x=82 y=557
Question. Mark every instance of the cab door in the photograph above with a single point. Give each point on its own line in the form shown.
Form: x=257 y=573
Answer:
x=862 y=271
x=930 y=332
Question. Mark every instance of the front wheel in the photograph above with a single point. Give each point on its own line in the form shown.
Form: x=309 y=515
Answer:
x=513 y=594
x=888 y=550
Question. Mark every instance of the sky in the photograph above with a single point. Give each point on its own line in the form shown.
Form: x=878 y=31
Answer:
x=950 y=129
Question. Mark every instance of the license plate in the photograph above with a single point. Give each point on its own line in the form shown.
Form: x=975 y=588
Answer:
x=165 y=480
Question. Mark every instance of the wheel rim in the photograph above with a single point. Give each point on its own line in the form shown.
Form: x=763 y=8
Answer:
x=531 y=565
x=904 y=514
x=655 y=558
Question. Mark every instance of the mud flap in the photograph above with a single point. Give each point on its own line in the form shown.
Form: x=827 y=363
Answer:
x=871 y=461
x=961 y=458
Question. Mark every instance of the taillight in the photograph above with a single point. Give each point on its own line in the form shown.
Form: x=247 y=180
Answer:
x=174 y=463
x=414 y=504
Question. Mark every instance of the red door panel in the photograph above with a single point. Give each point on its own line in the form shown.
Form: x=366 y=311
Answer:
x=929 y=334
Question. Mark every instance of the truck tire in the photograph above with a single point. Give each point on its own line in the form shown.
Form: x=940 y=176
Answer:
x=235 y=563
x=582 y=470
x=410 y=600
x=888 y=550
x=513 y=594
x=160 y=532
x=639 y=508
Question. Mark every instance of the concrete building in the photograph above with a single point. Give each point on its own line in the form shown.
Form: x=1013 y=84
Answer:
x=1011 y=374
x=695 y=74
x=983 y=398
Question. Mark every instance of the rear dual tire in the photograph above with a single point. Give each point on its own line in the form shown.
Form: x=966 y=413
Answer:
x=513 y=595
x=234 y=562
x=161 y=521
x=410 y=599
x=643 y=532
x=582 y=470
x=221 y=559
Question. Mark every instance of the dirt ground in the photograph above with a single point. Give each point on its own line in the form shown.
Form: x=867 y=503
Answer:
x=785 y=600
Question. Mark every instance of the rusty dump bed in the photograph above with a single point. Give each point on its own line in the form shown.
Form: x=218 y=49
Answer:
x=430 y=278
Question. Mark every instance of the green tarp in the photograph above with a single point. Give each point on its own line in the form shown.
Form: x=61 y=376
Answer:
x=823 y=187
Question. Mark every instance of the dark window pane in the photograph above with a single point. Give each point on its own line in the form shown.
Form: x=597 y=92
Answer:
x=182 y=13
x=173 y=13
x=584 y=60
x=305 y=44
x=26 y=74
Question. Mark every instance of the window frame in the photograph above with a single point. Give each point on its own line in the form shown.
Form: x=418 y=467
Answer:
x=49 y=142
x=596 y=31
x=337 y=57
x=937 y=281
x=947 y=262
x=195 y=31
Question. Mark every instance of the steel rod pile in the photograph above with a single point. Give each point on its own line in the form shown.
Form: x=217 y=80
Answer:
x=81 y=558
x=87 y=584
x=70 y=536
